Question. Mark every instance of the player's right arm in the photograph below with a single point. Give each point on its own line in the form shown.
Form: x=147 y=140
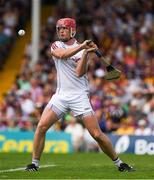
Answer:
x=81 y=68
x=61 y=53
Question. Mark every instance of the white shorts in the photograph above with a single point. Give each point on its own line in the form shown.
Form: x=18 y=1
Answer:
x=78 y=104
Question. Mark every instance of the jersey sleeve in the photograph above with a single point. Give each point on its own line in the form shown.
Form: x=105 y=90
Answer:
x=55 y=45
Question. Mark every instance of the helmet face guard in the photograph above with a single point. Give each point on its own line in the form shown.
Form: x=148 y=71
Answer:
x=68 y=23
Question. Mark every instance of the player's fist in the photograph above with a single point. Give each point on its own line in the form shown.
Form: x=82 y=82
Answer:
x=93 y=45
x=93 y=49
x=86 y=44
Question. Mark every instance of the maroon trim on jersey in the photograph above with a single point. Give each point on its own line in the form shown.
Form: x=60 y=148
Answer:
x=54 y=46
x=70 y=42
x=75 y=59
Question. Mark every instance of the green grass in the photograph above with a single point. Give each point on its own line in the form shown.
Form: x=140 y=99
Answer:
x=76 y=166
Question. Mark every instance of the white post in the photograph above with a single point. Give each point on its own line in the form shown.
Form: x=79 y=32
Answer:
x=35 y=30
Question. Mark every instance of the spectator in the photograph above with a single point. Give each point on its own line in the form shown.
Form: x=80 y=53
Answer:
x=142 y=129
x=129 y=48
x=76 y=130
x=126 y=127
x=13 y=17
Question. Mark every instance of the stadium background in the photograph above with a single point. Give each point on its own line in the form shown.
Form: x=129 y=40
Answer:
x=123 y=30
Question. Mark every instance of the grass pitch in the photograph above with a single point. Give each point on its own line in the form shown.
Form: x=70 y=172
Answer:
x=76 y=166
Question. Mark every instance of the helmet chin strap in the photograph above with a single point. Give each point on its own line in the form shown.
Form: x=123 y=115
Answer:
x=72 y=34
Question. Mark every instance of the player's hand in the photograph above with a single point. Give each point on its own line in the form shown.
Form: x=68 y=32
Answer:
x=92 y=45
x=86 y=44
x=93 y=49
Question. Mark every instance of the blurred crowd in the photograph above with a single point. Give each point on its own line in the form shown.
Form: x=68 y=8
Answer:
x=124 y=31
x=13 y=14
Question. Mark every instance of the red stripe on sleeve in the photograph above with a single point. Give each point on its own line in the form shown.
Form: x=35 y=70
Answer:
x=54 y=46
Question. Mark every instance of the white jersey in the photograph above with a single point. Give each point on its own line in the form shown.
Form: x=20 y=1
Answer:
x=67 y=81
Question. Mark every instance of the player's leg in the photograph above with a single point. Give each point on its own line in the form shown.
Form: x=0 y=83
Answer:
x=53 y=111
x=104 y=142
x=91 y=124
x=48 y=118
x=81 y=106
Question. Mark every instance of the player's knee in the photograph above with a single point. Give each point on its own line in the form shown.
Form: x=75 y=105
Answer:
x=41 y=128
x=97 y=135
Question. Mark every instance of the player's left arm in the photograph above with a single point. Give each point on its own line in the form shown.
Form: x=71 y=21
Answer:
x=81 y=68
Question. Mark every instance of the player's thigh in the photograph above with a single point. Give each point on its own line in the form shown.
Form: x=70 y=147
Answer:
x=58 y=104
x=48 y=118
